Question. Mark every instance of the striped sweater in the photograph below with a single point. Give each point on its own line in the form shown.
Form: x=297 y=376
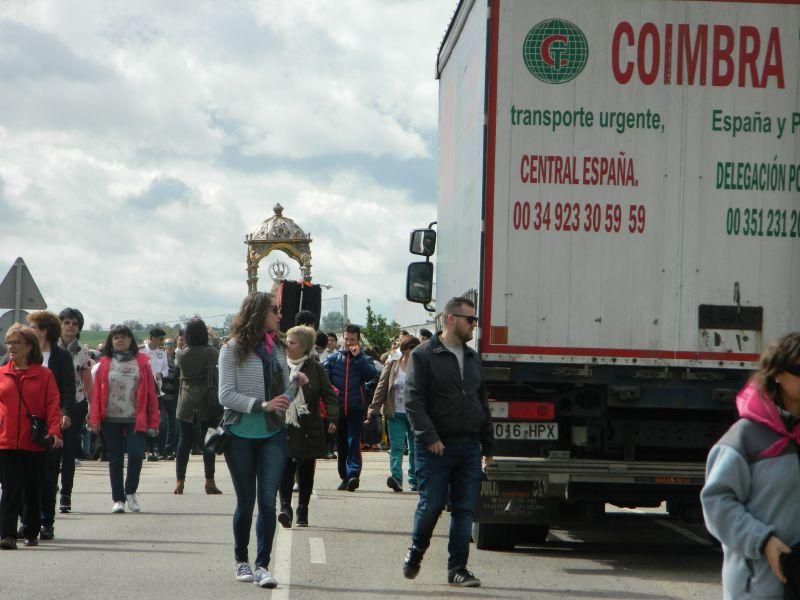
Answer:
x=241 y=385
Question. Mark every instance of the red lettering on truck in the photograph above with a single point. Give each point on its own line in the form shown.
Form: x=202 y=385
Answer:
x=734 y=57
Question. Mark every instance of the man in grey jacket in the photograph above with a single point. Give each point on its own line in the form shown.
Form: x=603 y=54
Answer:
x=447 y=406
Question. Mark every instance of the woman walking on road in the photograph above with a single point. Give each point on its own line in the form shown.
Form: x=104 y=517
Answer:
x=751 y=499
x=27 y=389
x=253 y=375
x=125 y=407
x=389 y=399
x=194 y=363
x=304 y=424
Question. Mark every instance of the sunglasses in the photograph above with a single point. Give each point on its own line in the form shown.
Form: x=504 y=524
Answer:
x=470 y=318
x=793 y=370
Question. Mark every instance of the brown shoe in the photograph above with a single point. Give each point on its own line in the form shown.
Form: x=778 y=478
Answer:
x=211 y=487
x=178 y=487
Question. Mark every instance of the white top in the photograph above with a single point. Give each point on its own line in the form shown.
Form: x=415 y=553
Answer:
x=46 y=356
x=397 y=389
x=158 y=360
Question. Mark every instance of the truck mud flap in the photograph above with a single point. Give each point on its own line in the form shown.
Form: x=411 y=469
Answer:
x=516 y=502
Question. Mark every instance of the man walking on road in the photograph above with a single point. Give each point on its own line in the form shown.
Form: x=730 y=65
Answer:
x=447 y=406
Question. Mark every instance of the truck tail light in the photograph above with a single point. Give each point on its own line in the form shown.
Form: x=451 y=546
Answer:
x=523 y=411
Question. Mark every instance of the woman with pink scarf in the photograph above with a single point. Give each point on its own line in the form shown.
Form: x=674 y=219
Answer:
x=751 y=499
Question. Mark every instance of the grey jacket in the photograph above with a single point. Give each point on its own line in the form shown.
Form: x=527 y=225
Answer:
x=746 y=499
x=241 y=385
x=193 y=363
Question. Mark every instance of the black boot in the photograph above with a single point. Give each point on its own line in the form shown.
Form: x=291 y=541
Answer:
x=65 y=505
x=285 y=516
x=302 y=515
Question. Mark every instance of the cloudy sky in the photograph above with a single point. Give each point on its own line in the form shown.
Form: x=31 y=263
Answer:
x=140 y=142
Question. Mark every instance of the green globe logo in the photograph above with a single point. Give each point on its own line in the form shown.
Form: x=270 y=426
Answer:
x=555 y=51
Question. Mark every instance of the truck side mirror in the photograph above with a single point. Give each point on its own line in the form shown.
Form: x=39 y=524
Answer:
x=419 y=282
x=423 y=242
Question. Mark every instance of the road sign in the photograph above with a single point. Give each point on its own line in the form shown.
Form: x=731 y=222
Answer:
x=7 y=320
x=18 y=289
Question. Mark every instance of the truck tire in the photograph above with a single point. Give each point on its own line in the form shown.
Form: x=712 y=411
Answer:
x=493 y=536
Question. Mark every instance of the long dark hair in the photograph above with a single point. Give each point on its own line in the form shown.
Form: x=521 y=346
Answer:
x=248 y=324
x=108 y=347
x=782 y=353
x=196 y=332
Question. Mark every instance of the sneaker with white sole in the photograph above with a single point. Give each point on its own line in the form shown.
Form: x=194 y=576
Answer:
x=133 y=502
x=264 y=578
x=462 y=578
x=243 y=572
x=119 y=507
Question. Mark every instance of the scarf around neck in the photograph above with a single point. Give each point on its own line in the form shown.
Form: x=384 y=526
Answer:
x=298 y=407
x=123 y=356
x=756 y=406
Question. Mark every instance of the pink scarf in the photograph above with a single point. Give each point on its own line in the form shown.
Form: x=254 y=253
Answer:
x=758 y=407
x=269 y=341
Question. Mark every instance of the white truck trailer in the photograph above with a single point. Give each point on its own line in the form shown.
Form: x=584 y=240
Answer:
x=619 y=190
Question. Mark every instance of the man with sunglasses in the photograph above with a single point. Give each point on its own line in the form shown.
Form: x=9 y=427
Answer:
x=447 y=406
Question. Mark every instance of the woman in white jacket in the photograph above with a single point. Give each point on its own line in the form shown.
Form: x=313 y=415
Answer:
x=253 y=374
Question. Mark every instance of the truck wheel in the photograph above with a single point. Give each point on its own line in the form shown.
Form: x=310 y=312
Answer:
x=493 y=536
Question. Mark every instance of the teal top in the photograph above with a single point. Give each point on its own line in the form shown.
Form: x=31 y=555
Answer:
x=252 y=426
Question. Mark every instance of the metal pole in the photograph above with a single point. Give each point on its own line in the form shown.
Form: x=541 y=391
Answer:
x=344 y=310
x=18 y=294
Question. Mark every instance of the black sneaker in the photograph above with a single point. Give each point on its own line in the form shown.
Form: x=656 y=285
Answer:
x=8 y=543
x=47 y=532
x=352 y=484
x=285 y=517
x=343 y=486
x=413 y=487
x=412 y=562
x=394 y=484
x=152 y=457
x=302 y=515
x=462 y=578
x=31 y=542
x=65 y=505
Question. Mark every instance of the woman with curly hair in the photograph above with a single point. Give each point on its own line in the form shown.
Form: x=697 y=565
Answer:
x=253 y=376
x=47 y=327
x=194 y=362
x=751 y=499
x=124 y=405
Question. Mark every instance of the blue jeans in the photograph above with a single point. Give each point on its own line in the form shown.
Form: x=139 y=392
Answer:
x=116 y=436
x=256 y=467
x=400 y=433
x=349 y=443
x=458 y=470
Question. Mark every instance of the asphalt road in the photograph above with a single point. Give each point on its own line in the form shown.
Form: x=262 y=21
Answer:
x=181 y=547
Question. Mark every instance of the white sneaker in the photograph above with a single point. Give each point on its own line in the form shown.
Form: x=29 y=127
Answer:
x=242 y=572
x=264 y=578
x=119 y=507
x=133 y=502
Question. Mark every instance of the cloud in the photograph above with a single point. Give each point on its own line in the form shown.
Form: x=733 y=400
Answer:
x=140 y=142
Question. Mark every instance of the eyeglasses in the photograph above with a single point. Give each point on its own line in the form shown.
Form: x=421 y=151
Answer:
x=470 y=318
x=169 y=344
x=793 y=370
x=11 y=343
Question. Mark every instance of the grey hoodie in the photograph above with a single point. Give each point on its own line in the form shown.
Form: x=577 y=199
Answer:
x=746 y=499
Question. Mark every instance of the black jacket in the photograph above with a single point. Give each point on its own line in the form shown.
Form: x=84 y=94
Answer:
x=60 y=363
x=439 y=404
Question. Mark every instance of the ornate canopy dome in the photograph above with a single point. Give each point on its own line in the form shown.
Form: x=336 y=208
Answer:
x=278 y=229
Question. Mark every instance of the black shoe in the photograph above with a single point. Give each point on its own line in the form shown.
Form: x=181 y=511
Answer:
x=21 y=532
x=65 y=505
x=8 y=543
x=343 y=486
x=152 y=457
x=330 y=456
x=47 y=532
x=285 y=516
x=31 y=542
x=352 y=484
x=394 y=484
x=413 y=487
x=412 y=562
x=462 y=578
x=302 y=516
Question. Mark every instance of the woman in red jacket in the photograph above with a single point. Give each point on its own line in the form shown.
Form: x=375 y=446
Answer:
x=27 y=389
x=124 y=405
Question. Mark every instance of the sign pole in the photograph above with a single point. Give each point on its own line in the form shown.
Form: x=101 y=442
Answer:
x=18 y=294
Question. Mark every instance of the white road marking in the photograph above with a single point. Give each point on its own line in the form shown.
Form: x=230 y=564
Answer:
x=317 y=549
x=674 y=526
x=283 y=564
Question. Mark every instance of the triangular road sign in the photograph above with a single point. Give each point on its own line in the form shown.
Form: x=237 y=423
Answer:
x=29 y=296
x=7 y=320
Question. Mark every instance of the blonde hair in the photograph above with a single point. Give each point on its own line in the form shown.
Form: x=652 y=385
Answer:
x=303 y=334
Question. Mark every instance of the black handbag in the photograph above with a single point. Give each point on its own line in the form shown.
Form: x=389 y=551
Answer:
x=790 y=565
x=217 y=438
x=38 y=425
